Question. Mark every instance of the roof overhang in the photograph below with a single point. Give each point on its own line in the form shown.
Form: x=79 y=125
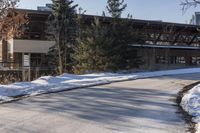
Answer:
x=164 y=46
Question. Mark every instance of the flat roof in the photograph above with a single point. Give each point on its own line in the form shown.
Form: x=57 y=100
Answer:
x=165 y=31
x=33 y=11
x=150 y=22
x=164 y=46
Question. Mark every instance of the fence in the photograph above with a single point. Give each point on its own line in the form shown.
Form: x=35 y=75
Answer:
x=10 y=66
x=11 y=76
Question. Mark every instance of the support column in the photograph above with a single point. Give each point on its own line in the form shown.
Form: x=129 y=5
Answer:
x=26 y=68
x=188 y=60
x=152 y=56
x=167 y=57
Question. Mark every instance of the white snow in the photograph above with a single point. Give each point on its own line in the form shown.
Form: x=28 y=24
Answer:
x=48 y=84
x=198 y=128
x=191 y=103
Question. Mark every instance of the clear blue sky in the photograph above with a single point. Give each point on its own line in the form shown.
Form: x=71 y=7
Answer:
x=165 y=10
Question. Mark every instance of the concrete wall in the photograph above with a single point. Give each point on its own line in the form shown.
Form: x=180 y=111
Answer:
x=10 y=45
x=31 y=46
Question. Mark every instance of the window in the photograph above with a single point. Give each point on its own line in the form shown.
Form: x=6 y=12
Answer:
x=180 y=60
x=36 y=60
x=172 y=60
x=161 y=60
x=195 y=60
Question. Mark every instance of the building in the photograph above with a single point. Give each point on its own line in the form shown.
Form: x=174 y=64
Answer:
x=33 y=42
x=44 y=8
x=195 y=20
x=168 y=45
x=162 y=46
x=165 y=45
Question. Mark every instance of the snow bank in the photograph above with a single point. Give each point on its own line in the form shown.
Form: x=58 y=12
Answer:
x=198 y=128
x=69 y=81
x=191 y=103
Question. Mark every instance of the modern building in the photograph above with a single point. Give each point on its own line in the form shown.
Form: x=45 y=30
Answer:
x=162 y=45
x=33 y=42
x=195 y=20
x=168 y=45
x=44 y=8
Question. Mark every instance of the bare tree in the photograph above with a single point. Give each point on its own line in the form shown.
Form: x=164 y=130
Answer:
x=11 y=19
x=189 y=3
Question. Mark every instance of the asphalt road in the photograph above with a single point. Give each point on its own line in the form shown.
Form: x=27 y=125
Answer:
x=138 y=106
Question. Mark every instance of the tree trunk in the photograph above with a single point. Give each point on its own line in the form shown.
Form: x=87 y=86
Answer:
x=60 y=65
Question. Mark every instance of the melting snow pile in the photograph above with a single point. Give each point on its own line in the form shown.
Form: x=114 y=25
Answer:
x=191 y=104
x=49 y=84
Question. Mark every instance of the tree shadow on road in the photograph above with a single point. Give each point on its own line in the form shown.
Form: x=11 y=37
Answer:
x=109 y=106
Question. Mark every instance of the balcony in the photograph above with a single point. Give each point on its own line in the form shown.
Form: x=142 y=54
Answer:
x=31 y=46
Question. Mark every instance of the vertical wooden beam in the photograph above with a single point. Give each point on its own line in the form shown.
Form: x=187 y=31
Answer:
x=193 y=38
x=158 y=38
x=175 y=39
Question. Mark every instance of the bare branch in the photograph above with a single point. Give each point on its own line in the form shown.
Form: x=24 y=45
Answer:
x=10 y=19
x=188 y=4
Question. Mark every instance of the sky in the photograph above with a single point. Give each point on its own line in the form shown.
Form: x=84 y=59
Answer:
x=165 y=10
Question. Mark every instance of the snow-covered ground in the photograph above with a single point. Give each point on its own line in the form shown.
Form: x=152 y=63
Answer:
x=68 y=81
x=138 y=106
x=191 y=104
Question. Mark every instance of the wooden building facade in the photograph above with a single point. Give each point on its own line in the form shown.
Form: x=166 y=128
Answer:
x=32 y=42
x=162 y=46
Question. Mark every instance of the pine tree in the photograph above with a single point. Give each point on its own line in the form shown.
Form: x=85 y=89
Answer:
x=125 y=34
x=122 y=32
x=61 y=27
x=116 y=29
x=93 y=54
x=116 y=7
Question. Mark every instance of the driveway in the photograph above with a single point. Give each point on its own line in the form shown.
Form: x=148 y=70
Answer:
x=138 y=106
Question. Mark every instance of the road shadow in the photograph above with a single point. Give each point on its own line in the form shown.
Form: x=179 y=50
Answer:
x=109 y=105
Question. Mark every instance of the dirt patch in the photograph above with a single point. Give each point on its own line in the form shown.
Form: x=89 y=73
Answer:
x=187 y=117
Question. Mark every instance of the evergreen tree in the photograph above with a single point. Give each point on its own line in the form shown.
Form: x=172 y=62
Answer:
x=116 y=7
x=122 y=32
x=116 y=29
x=93 y=54
x=61 y=27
